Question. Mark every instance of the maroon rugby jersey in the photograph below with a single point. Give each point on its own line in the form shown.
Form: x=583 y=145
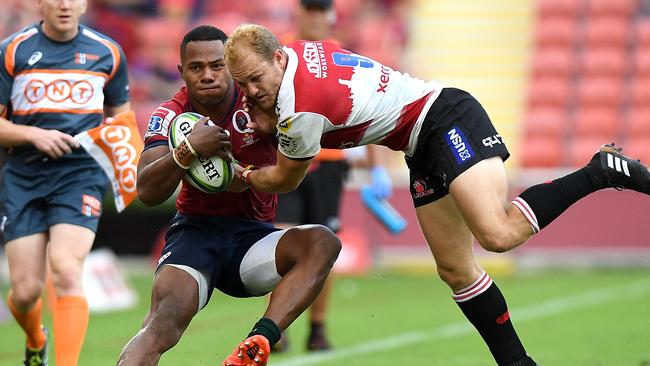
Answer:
x=248 y=147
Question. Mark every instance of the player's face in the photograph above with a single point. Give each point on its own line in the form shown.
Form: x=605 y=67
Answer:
x=204 y=70
x=259 y=79
x=61 y=17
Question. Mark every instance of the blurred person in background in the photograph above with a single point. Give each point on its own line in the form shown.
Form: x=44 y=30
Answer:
x=318 y=198
x=223 y=240
x=58 y=78
x=454 y=154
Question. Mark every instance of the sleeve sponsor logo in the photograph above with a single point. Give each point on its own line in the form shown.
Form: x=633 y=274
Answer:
x=315 y=60
x=459 y=146
x=492 y=140
x=287 y=144
x=284 y=126
x=159 y=122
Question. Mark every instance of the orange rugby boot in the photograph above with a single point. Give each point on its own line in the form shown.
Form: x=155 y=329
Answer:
x=252 y=351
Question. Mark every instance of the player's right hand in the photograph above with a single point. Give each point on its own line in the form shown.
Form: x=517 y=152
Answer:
x=210 y=140
x=53 y=143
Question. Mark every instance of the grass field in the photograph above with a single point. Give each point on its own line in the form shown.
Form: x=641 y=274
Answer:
x=564 y=318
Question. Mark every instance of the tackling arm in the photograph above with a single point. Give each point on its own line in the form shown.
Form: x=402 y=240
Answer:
x=283 y=177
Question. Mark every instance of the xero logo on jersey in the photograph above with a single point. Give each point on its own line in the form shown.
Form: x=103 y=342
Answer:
x=459 y=147
x=315 y=60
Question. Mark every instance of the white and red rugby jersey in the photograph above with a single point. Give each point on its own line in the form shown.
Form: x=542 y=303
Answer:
x=332 y=98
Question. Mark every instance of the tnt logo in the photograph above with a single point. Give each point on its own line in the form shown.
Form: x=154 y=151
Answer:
x=117 y=139
x=58 y=91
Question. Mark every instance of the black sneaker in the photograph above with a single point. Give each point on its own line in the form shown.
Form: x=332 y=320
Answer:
x=37 y=357
x=619 y=171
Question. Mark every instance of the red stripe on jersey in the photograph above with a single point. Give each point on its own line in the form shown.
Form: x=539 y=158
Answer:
x=344 y=138
x=398 y=138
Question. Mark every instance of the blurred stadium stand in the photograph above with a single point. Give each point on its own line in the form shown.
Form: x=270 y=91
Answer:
x=558 y=77
x=589 y=74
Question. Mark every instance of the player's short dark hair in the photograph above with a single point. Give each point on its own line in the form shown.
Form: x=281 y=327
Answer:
x=316 y=4
x=203 y=33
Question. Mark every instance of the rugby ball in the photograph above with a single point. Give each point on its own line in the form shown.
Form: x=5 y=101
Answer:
x=207 y=174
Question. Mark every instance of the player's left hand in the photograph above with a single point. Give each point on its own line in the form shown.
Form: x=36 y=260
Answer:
x=381 y=185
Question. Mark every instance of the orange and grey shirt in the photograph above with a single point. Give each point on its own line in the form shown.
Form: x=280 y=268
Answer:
x=60 y=85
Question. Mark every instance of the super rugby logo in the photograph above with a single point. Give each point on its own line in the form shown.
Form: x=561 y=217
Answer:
x=124 y=155
x=457 y=142
x=315 y=60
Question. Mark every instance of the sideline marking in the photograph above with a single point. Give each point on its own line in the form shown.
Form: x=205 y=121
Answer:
x=550 y=307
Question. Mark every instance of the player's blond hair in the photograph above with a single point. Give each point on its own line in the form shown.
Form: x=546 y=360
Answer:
x=254 y=37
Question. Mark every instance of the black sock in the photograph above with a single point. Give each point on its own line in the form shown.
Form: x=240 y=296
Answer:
x=543 y=203
x=315 y=327
x=267 y=328
x=485 y=307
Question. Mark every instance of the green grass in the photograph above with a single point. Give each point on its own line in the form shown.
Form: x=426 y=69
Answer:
x=563 y=317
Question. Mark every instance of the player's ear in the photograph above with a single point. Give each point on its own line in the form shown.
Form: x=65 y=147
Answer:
x=280 y=57
x=180 y=71
x=84 y=7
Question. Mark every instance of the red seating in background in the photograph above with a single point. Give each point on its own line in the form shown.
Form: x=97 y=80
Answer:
x=546 y=122
x=642 y=33
x=639 y=147
x=601 y=92
x=582 y=149
x=549 y=92
x=556 y=31
x=638 y=122
x=639 y=92
x=554 y=61
x=568 y=8
x=542 y=152
x=607 y=32
x=598 y=122
x=609 y=62
x=641 y=62
x=610 y=8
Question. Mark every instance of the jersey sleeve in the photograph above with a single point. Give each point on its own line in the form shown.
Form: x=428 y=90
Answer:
x=299 y=135
x=116 y=91
x=158 y=128
x=6 y=81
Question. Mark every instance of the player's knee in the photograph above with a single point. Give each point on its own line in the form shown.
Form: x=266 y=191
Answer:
x=455 y=276
x=324 y=245
x=66 y=278
x=165 y=327
x=494 y=241
x=25 y=294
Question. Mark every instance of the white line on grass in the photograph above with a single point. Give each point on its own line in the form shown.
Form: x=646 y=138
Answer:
x=551 y=307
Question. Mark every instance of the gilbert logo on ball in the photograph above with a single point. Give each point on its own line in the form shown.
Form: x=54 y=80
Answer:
x=207 y=174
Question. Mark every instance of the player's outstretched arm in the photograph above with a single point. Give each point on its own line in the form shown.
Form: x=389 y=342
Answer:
x=283 y=177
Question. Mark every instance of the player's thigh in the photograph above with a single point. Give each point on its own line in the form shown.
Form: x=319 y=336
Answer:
x=178 y=293
x=76 y=198
x=26 y=257
x=450 y=241
x=69 y=246
x=480 y=194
